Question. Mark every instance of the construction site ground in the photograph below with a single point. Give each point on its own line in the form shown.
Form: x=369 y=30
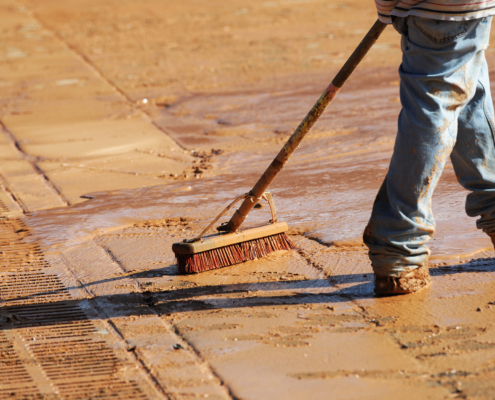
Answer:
x=126 y=126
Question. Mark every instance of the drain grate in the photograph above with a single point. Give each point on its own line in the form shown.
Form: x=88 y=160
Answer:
x=23 y=393
x=64 y=319
x=101 y=389
x=3 y=207
x=11 y=366
x=61 y=331
x=15 y=381
x=17 y=251
x=83 y=368
x=31 y=288
x=82 y=358
x=59 y=337
x=62 y=341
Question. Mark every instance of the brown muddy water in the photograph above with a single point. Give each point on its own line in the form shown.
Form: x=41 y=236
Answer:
x=326 y=190
x=92 y=302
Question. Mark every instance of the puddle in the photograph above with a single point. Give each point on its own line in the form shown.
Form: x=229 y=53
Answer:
x=327 y=189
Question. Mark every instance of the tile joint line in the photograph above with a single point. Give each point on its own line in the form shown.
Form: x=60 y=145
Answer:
x=98 y=72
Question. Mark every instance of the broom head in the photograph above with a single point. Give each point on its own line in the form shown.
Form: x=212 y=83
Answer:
x=224 y=249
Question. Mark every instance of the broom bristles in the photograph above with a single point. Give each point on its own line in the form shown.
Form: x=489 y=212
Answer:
x=233 y=254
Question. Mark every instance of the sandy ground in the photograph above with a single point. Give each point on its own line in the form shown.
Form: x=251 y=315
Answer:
x=128 y=125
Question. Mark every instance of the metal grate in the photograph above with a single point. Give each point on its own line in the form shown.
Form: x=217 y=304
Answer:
x=101 y=389
x=89 y=365
x=10 y=365
x=17 y=251
x=62 y=340
x=82 y=358
x=15 y=381
x=3 y=207
x=61 y=330
x=31 y=288
x=60 y=317
x=20 y=393
x=56 y=332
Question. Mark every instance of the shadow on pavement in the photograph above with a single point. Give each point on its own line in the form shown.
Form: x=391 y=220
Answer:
x=193 y=299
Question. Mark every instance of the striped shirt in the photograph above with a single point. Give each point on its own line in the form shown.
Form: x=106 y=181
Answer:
x=448 y=10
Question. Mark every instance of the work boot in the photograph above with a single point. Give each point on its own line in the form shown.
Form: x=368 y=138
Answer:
x=408 y=282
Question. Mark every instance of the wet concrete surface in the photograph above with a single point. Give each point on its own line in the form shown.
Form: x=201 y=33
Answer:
x=96 y=185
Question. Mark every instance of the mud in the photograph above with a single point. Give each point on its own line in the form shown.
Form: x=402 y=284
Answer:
x=128 y=126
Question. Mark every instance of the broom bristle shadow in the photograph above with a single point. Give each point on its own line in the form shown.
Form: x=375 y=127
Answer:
x=233 y=254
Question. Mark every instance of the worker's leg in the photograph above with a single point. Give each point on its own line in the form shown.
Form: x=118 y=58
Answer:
x=474 y=154
x=441 y=66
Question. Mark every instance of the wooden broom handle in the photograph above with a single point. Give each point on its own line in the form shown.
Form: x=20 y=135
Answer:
x=301 y=131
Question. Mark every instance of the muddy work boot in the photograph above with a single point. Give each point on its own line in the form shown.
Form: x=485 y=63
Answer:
x=408 y=282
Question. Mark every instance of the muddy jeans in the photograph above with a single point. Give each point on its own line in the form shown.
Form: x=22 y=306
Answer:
x=447 y=111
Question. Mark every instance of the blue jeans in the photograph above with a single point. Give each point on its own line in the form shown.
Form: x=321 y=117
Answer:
x=447 y=110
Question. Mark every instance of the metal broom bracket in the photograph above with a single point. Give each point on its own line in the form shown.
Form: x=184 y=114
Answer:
x=268 y=197
x=265 y=196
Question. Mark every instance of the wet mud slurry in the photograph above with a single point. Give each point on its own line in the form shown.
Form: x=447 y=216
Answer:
x=128 y=126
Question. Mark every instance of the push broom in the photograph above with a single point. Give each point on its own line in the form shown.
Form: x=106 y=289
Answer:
x=230 y=246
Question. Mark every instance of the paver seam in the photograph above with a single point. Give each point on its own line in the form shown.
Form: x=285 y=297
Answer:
x=34 y=371
x=393 y=337
x=32 y=368
x=28 y=282
x=307 y=257
x=98 y=72
x=10 y=194
x=328 y=275
x=32 y=161
x=45 y=354
x=173 y=329
x=116 y=332
x=360 y=308
x=223 y=384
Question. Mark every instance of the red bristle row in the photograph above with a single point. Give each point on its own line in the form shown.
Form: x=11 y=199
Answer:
x=233 y=254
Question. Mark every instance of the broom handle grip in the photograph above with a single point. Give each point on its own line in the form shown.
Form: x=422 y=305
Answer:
x=301 y=131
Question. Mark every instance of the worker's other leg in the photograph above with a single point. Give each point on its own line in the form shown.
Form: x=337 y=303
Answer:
x=440 y=69
x=474 y=155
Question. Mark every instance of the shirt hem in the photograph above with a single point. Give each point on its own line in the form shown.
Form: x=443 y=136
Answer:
x=442 y=17
x=385 y=19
